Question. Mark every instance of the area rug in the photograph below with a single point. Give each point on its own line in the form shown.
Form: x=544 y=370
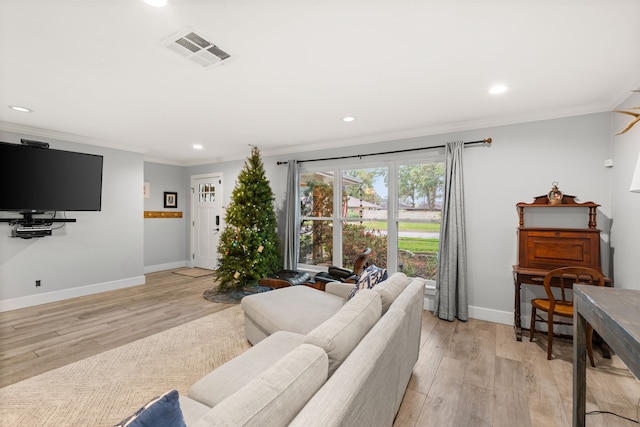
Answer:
x=103 y=389
x=194 y=272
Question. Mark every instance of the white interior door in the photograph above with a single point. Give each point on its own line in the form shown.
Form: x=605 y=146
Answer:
x=206 y=219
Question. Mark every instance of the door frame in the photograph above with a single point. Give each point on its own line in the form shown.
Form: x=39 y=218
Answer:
x=192 y=219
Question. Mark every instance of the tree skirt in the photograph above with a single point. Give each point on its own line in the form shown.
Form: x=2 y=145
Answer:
x=232 y=296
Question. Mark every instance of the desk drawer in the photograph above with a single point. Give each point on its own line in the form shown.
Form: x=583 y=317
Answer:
x=553 y=248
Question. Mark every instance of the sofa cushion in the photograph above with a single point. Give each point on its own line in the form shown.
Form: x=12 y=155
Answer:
x=411 y=296
x=276 y=396
x=339 y=335
x=391 y=288
x=238 y=372
x=362 y=392
x=163 y=411
x=370 y=277
x=296 y=309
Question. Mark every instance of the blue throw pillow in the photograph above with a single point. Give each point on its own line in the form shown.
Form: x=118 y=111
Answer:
x=163 y=411
x=370 y=277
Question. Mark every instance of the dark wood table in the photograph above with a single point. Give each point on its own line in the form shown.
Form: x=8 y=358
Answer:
x=614 y=314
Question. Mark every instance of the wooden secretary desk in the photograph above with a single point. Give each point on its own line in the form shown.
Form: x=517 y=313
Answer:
x=542 y=249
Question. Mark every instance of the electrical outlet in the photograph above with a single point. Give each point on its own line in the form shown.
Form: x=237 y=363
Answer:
x=38 y=283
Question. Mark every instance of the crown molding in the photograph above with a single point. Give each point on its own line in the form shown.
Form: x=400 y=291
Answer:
x=70 y=137
x=441 y=129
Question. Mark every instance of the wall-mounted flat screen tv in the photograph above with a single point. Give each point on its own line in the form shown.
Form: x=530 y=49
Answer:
x=36 y=179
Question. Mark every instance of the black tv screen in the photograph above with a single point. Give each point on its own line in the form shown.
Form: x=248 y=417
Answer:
x=43 y=179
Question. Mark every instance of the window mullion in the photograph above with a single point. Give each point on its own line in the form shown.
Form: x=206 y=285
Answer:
x=337 y=214
x=392 y=219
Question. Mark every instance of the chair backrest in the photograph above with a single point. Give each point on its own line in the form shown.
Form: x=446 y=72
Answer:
x=361 y=261
x=565 y=278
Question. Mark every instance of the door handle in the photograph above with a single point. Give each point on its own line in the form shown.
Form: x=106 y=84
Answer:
x=218 y=220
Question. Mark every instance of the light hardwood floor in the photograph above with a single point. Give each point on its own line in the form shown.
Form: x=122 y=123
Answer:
x=468 y=374
x=475 y=373
x=37 y=339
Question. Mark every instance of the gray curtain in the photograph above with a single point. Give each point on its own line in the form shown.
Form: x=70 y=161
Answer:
x=451 y=285
x=292 y=218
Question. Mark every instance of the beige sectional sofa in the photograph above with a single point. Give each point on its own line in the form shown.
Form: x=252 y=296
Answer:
x=317 y=359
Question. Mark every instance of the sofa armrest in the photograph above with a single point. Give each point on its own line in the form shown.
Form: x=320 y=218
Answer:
x=340 y=289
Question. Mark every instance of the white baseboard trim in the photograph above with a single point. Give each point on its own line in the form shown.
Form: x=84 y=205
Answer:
x=479 y=313
x=31 y=300
x=429 y=295
x=167 y=266
x=491 y=315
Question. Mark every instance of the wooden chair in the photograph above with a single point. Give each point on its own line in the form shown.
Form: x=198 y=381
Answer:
x=564 y=278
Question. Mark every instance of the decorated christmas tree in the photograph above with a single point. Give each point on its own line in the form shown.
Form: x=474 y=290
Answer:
x=248 y=249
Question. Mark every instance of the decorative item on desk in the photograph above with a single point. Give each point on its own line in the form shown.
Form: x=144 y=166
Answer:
x=555 y=195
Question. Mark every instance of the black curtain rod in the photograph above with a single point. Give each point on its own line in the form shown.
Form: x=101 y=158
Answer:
x=483 y=142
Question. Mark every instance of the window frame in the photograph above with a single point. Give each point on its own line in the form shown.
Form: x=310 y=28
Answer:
x=337 y=167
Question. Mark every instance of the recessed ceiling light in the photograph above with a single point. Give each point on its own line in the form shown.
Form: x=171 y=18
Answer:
x=20 y=109
x=348 y=119
x=156 y=3
x=497 y=89
x=197 y=147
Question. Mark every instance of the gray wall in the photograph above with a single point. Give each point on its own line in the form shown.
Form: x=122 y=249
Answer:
x=166 y=239
x=625 y=229
x=106 y=248
x=522 y=163
x=101 y=251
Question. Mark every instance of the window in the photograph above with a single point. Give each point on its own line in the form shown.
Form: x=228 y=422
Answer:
x=207 y=192
x=392 y=207
x=316 y=214
x=364 y=214
x=419 y=214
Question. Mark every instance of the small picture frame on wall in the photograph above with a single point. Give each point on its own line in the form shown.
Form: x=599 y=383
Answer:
x=170 y=200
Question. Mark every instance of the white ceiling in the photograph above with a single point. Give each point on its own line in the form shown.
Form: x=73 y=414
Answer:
x=96 y=71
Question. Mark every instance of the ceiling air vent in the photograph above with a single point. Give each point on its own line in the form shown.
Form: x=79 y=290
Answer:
x=192 y=46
